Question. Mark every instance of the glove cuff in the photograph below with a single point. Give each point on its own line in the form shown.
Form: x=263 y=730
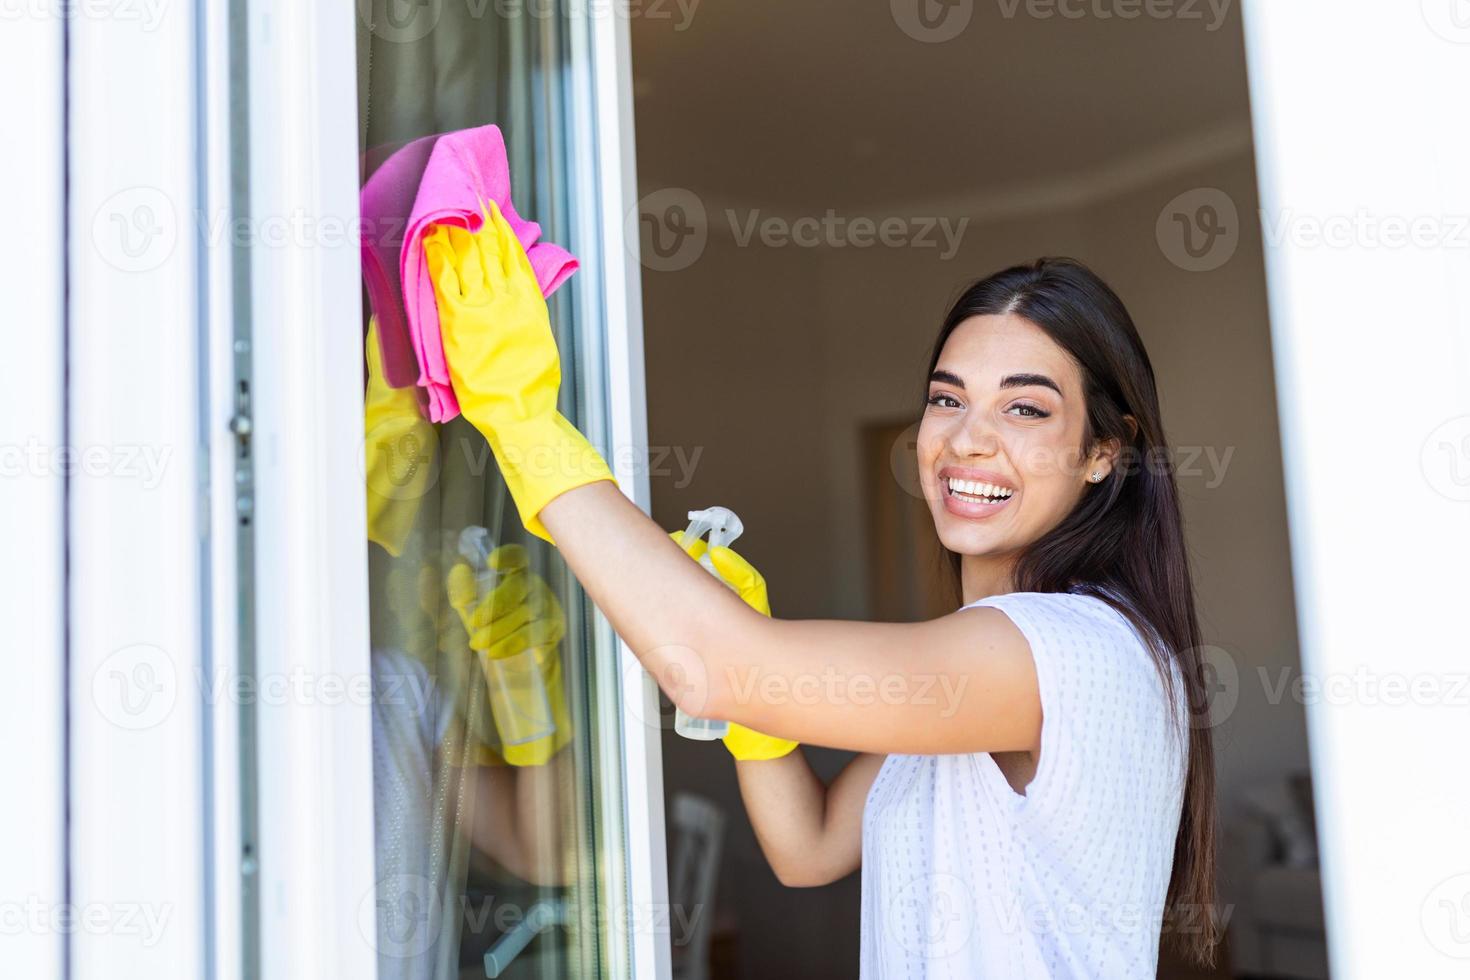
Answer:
x=542 y=458
x=747 y=745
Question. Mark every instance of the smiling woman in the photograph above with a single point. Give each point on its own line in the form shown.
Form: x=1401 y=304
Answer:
x=1063 y=407
x=1064 y=773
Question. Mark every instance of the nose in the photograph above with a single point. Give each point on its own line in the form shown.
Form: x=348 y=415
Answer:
x=973 y=435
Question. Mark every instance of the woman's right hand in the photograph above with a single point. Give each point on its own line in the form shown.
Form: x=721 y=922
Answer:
x=745 y=744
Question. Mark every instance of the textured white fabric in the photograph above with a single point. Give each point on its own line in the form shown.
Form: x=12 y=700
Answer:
x=410 y=720
x=963 y=877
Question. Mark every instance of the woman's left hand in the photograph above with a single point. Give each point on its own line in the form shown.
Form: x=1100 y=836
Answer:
x=745 y=744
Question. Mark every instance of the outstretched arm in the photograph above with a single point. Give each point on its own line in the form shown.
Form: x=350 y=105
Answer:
x=961 y=683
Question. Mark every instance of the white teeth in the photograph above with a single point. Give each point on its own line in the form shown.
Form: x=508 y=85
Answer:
x=973 y=488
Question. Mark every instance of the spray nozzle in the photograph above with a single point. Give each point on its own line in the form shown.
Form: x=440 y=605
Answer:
x=720 y=523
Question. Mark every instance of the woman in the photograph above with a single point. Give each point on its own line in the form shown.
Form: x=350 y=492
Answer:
x=1030 y=797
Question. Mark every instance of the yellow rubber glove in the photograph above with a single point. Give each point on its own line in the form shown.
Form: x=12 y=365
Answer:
x=401 y=453
x=745 y=744
x=516 y=629
x=504 y=365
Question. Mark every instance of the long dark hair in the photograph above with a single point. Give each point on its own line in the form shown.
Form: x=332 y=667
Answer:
x=1124 y=541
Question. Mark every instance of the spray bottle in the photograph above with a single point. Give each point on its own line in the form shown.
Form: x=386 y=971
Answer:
x=519 y=701
x=723 y=528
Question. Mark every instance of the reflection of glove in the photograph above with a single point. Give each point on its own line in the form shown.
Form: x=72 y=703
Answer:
x=401 y=452
x=503 y=363
x=515 y=630
x=744 y=744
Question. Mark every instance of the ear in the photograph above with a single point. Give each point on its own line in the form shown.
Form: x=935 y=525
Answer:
x=1105 y=453
x=1102 y=459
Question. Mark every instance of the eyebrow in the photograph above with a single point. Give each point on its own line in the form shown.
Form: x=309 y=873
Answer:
x=1009 y=381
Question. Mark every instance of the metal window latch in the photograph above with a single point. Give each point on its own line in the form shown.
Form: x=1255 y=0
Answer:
x=243 y=427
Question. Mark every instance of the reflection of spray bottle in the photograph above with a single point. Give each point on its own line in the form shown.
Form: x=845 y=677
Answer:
x=723 y=527
x=519 y=701
x=474 y=546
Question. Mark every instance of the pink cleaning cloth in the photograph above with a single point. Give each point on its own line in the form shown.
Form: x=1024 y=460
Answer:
x=455 y=175
x=386 y=202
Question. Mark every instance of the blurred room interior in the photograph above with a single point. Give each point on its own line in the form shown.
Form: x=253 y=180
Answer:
x=1109 y=140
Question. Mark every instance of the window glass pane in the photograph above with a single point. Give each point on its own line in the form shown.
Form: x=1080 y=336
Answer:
x=494 y=820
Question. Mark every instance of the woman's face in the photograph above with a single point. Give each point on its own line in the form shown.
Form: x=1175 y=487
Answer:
x=1000 y=445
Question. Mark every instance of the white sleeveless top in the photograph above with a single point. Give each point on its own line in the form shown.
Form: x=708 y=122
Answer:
x=963 y=877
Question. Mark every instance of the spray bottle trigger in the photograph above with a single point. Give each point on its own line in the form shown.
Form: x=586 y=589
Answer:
x=723 y=527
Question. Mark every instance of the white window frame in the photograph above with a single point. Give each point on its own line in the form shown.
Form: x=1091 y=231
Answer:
x=33 y=490
x=645 y=844
x=1354 y=114
x=313 y=777
x=138 y=795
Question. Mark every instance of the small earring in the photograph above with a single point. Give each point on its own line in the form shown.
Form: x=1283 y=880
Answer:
x=1096 y=476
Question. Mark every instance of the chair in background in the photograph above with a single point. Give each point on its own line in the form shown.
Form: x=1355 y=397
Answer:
x=696 y=833
x=1270 y=873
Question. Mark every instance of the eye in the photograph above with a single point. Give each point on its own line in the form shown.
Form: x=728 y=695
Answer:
x=940 y=398
x=1026 y=410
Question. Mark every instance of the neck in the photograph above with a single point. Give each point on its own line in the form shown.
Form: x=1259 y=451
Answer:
x=986 y=575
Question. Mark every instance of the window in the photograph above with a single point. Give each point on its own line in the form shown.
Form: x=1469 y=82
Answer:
x=498 y=811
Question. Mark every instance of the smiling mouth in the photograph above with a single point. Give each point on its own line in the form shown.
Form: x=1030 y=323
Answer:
x=978 y=492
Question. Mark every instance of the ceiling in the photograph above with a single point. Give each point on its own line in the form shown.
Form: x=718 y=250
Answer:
x=831 y=103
